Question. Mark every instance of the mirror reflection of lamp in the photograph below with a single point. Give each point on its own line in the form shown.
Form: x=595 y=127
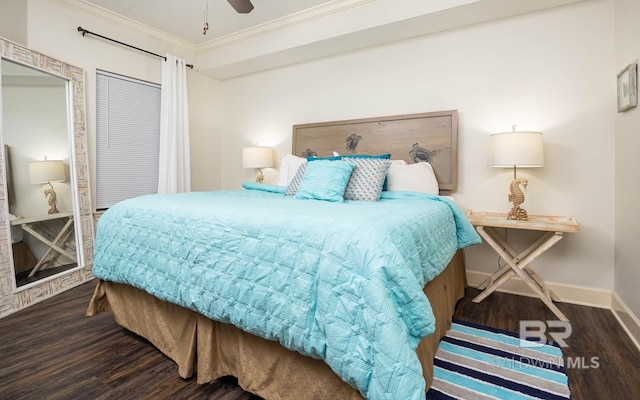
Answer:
x=47 y=171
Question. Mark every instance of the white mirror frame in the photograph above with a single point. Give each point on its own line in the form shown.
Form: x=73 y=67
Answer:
x=11 y=298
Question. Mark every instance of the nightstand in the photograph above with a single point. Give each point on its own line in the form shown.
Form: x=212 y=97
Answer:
x=34 y=226
x=552 y=228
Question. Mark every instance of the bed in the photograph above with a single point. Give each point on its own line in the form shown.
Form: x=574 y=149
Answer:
x=298 y=297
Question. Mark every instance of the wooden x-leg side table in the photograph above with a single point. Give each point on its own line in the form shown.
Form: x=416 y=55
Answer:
x=60 y=244
x=552 y=229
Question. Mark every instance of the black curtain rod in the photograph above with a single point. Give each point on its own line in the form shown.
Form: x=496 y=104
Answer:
x=84 y=32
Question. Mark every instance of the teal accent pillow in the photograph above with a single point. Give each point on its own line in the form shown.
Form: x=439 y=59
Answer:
x=343 y=156
x=325 y=180
x=332 y=158
x=382 y=156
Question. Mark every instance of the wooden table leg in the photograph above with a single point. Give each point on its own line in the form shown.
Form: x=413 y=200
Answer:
x=518 y=265
x=49 y=255
x=53 y=245
x=490 y=234
x=519 y=256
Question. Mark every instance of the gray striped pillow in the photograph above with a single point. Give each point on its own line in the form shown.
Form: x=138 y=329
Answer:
x=292 y=188
x=366 y=179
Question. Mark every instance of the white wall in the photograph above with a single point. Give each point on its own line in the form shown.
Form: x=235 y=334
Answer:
x=13 y=18
x=627 y=175
x=204 y=124
x=549 y=71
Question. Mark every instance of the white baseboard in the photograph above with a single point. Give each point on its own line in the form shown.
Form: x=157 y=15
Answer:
x=573 y=294
x=627 y=318
x=567 y=293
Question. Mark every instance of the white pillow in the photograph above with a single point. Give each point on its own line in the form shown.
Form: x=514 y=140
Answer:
x=398 y=162
x=289 y=165
x=418 y=177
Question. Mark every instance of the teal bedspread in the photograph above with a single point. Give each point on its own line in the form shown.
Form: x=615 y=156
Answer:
x=340 y=282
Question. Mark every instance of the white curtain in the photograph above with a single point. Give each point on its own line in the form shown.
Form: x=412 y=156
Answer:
x=174 y=171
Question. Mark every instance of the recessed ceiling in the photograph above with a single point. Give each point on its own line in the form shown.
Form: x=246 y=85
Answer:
x=184 y=19
x=283 y=32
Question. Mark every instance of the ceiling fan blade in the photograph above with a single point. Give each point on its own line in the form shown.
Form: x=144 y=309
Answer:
x=241 y=6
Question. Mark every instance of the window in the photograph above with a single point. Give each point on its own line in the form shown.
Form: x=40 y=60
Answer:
x=127 y=138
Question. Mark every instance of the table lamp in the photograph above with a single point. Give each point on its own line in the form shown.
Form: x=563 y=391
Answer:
x=516 y=149
x=47 y=171
x=257 y=157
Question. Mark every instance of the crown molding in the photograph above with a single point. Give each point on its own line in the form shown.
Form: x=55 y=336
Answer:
x=317 y=12
x=301 y=17
x=115 y=18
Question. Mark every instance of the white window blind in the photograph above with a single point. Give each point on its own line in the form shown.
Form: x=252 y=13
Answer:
x=127 y=138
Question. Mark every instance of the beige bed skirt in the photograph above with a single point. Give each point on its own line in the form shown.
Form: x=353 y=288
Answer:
x=263 y=367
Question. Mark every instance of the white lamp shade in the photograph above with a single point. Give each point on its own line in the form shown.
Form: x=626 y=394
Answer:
x=257 y=157
x=46 y=171
x=519 y=149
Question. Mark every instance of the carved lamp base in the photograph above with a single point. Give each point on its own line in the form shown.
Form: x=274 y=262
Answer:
x=518 y=213
x=53 y=199
x=516 y=197
x=260 y=176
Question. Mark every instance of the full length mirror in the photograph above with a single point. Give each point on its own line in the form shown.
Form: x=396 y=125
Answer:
x=46 y=224
x=35 y=134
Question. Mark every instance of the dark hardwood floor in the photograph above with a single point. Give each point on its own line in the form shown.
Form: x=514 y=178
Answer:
x=52 y=351
x=23 y=278
x=614 y=373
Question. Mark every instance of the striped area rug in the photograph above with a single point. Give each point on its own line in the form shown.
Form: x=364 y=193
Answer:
x=479 y=362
